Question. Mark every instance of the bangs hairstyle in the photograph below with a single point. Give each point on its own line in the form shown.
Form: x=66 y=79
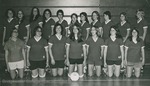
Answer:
x=37 y=16
x=74 y=14
x=56 y=25
x=84 y=14
x=96 y=28
x=22 y=13
x=36 y=28
x=98 y=15
x=123 y=13
x=141 y=11
x=44 y=18
x=6 y=13
x=60 y=11
x=108 y=13
x=72 y=35
x=130 y=36
x=118 y=35
x=14 y=29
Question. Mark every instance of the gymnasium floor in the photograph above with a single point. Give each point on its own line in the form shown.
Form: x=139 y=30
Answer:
x=144 y=80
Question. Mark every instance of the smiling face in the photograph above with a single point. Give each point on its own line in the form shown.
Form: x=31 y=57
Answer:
x=60 y=15
x=15 y=33
x=75 y=30
x=58 y=30
x=94 y=16
x=47 y=14
x=134 y=33
x=20 y=14
x=106 y=17
x=35 y=11
x=10 y=14
x=93 y=31
x=139 y=14
x=74 y=18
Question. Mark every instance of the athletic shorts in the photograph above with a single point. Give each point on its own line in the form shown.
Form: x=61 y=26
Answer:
x=16 y=65
x=134 y=64
x=112 y=62
x=94 y=62
x=37 y=64
x=76 y=61
x=58 y=64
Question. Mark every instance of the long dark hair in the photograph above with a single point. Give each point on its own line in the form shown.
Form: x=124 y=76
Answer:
x=37 y=16
x=22 y=17
x=72 y=35
x=96 y=12
x=84 y=14
x=44 y=18
x=118 y=35
x=130 y=36
x=57 y=24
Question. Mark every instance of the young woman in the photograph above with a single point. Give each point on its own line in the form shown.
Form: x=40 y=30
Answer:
x=113 y=52
x=124 y=26
x=23 y=28
x=15 y=55
x=134 y=53
x=96 y=22
x=141 y=24
x=85 y=26
x=37 y=54
x=57 y=50
x=106 y=24
x=9 y=23
x=75 y=48
x=48 y=24
x=60 y=15
x=95 y=52
x=35 y=20
x=74 y=20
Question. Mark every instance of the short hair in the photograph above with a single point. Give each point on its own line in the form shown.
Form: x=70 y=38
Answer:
x=118 y=35
x=108 y=13
x=56 y=25
x=36 y=28
x=6 y=13
x=60 y=11
x=142 y=12
x=96 y=12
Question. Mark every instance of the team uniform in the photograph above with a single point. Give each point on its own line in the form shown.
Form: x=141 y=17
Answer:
x=134 y=53
x=22 y=29
x=84 y=28
x=58 y=50
x=94 y=51
x=64 y=25
x=37 y=54
x=15 y=56
x=140 y=25
x=75 y=51
x=47 y=28
x=97 y=24
x=106 y=29
x=123 y=28
x=10 y=25
x=34 y=24
x=113 y=51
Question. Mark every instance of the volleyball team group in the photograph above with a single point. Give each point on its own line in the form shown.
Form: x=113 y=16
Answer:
x=40 y=42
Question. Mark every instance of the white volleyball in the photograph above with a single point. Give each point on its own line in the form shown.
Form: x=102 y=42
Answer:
x=74 y=76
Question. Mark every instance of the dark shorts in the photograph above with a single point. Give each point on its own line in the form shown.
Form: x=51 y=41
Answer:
x=112 y=62
x=37 y=64
x=58 y=64
x=76 y=61
x=95 y=62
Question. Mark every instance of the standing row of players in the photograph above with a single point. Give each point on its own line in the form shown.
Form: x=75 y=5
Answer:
x=79 y=44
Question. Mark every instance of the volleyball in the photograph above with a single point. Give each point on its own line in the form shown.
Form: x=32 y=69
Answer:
x=74 y=76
